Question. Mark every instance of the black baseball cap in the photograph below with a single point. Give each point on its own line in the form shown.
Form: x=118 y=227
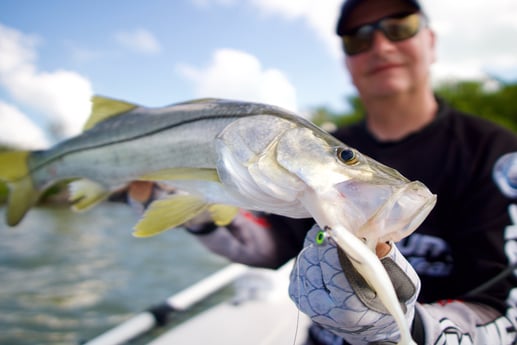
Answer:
x=349 y=5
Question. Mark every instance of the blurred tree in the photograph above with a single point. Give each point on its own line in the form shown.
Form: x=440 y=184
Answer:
x=491 y=99
x=323 y=116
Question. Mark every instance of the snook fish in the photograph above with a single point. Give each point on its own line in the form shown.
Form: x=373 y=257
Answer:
x=224 y=155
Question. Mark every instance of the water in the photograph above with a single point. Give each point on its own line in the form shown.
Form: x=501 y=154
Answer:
x=67 y=277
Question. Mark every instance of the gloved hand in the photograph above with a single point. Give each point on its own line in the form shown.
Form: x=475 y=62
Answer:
x=346 y=307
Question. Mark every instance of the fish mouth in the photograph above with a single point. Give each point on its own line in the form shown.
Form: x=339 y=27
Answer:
x=388 y=212
x=401 y=214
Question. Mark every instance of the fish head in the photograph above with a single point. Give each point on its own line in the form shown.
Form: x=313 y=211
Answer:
x=288 y=166
x=348 y=189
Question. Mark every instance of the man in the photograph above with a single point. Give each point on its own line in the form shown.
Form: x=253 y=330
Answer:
x=461 y=244
x=459 y=295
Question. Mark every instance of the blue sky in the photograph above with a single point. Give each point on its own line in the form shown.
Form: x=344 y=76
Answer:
x=55 y=54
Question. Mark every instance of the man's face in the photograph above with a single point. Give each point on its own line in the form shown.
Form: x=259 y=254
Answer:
x=389 y=68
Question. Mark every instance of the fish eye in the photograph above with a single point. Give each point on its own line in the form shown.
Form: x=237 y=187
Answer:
x=347 y=156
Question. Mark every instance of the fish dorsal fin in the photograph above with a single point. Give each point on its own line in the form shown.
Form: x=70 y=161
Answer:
x=104 y=108
x=201 y=101
x=169 y=213
x=181 y=174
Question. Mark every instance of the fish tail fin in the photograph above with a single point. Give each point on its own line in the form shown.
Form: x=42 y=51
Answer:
x=14 y=170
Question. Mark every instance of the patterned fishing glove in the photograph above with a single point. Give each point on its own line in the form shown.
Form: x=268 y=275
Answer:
x=326 y=287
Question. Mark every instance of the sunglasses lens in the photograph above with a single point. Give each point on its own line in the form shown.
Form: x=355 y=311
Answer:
x=398 y=29
x=359 y=41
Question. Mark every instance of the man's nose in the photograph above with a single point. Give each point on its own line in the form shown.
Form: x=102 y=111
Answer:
x=380 y=43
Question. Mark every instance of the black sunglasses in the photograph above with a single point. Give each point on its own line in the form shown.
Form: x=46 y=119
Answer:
x=396 y=28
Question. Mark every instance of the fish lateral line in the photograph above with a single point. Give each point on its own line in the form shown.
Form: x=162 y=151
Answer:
x=61 y=155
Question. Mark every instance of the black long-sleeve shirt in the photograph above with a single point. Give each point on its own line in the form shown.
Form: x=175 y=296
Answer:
x=462 y=242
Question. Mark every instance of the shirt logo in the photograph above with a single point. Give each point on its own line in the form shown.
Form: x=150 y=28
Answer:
x=429 y=255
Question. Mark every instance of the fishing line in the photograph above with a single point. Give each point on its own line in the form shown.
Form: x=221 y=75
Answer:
x=298 y=284
x=488 y=284
x=320 y=239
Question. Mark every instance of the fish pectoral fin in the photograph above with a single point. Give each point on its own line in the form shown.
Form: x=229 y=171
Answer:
x=169 y=213
x=85 y=194
x=222 y=215
x=104 y=108
x=181 y=174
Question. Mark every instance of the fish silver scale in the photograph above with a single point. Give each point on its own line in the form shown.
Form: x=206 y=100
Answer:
x=178 y=135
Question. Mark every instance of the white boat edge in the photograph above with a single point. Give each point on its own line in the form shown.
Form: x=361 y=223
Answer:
x=260 y=313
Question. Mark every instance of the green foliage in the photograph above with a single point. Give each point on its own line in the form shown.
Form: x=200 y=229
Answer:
x=493 y=100
x=322 y=115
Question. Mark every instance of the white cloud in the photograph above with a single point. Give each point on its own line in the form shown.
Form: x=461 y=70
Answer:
x=238 y=75
x=139 y=40
x=17 y=130
x=62 y=96
x=474 y=36
x=320 y=16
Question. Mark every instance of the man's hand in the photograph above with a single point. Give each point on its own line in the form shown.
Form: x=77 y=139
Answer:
x=320 y=289
x=140 y=194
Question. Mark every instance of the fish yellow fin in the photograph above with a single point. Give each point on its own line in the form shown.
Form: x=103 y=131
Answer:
x=14 y=170
x=22 y=196
x=222 y=215
x=85 y=194
x=104 y=108
x=169 y=213
x=182 y=174
x=13 y=165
